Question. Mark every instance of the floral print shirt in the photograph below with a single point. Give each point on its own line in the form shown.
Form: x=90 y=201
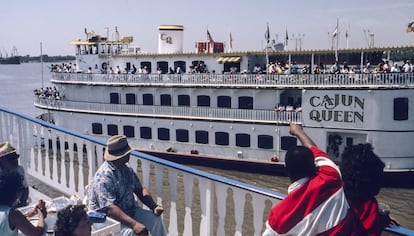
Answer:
x=114 y=186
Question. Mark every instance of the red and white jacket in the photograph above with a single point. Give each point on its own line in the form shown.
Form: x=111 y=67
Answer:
x=313 y=206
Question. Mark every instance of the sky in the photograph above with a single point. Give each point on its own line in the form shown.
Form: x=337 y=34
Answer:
x=27 y=24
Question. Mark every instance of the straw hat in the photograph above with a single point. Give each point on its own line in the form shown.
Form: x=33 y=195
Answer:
x=117 y=147
x=6 y=149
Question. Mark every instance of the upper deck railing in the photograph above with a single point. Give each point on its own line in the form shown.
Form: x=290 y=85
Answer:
x=194 y=200
x=379 y=80
x=195 y=113
x=196 y=203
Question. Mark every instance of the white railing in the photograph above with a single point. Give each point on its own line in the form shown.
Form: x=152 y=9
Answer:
x=242 y=115
x=196 y=203
x=244 y=80
x=194 y=200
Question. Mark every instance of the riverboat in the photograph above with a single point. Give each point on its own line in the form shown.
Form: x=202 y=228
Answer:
x=232 y=109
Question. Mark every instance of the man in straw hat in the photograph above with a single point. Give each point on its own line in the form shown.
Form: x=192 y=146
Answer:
x=112 y=191
x=9 y=159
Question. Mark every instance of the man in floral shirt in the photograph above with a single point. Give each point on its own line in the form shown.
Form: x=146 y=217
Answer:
x=112 y=191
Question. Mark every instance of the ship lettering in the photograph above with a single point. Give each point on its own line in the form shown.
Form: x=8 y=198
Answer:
x=334 y=108
x=338 y=99
x=166 y=38
x=336 y=116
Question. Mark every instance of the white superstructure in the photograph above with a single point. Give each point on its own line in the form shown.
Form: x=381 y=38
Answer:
x=209 y=105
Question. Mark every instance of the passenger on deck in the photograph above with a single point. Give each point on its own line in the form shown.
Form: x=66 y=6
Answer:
x=73 y=220
x=9 y=159
x=316 y=202
x=362 y=172
x=112 y=191
x=335 y=68
x=11 y=219
x=395 y=68
x=407 y=67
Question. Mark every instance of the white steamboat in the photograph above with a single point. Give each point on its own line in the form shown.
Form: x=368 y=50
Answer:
x=205 y=107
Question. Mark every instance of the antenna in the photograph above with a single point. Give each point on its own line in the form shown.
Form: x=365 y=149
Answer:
x=370 y=40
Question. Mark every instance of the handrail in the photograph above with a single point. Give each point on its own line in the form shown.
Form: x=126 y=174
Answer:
x=360 y=80
x=200 y=113
x=192 y=198
x=53 y=155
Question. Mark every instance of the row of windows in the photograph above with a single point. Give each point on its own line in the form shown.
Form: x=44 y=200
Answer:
x=201 y=136
x=245 y=102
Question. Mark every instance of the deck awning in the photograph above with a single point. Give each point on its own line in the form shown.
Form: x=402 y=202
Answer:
x=82 y=43
x=228 y=59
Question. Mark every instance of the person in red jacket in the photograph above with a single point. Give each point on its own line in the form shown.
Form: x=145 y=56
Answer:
x=362 y=173
x=316 y=202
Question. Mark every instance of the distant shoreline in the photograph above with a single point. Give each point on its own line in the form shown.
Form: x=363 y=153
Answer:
x=46 y=58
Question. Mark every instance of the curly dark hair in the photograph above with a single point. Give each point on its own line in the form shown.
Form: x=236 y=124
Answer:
x=362 y=172
x=11 y=182
x=68 y=219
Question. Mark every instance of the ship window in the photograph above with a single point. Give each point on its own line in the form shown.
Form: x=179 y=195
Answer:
x=199 y=66
x=112 y=129
x=287 y=142
x=203 y=101
x=222 y=138
x=165 y=100
x=147 y=66
x=163 y=134
x=245 y=102
x=181 y=135
x=224 y=101
x=242 y=140
x=147 y=99
x=180 y=64
x=96 y=128
x=401 y=109
x=201 y=136
x=349 y=141
x=183 y=100
x=130 y=98
x=129 y=131
x=114 y=98
x=163 y=66
x=290 y=101
x=145 y=132
x=265 y=141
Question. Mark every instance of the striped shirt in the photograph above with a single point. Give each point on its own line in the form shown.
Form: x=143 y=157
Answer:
x=313 y=206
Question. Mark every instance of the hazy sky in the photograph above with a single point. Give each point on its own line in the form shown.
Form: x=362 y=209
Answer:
x=26 y=23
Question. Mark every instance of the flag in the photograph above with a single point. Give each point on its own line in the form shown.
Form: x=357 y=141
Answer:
x=335 y=32
x=286 y=38
x=209 y=38
x=410 y=27
x=231 y=41
x=267 y=34
x=346 y=34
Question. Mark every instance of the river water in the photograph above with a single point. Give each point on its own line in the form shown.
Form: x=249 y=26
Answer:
x=16 y=93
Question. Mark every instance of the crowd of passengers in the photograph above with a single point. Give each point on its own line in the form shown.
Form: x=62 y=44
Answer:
x=272 y=68
x=50 y=93
x=383 y=67
x=72 y=68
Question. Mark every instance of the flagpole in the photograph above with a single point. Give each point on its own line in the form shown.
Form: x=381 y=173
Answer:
x=267 y=36
x=337 y=39
x=41 y=63
x=347 y=37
